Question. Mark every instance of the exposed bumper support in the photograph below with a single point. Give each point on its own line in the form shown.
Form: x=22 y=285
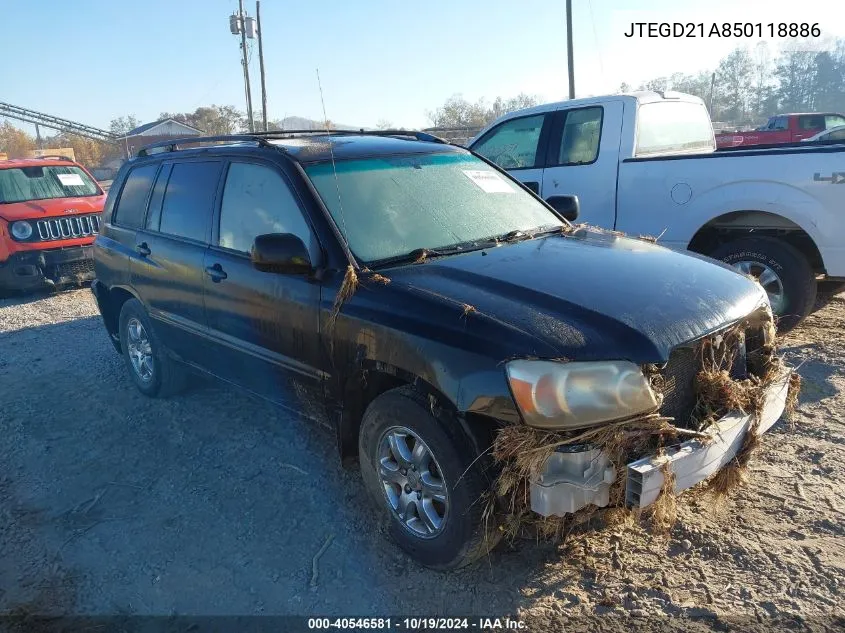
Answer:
x=582 y=476
x=694 y=461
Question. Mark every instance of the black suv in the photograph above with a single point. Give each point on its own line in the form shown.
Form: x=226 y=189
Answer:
x=419 y=294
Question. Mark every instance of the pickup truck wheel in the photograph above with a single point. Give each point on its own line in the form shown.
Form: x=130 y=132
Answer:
x=781 y=269
x=425 y=480
x=152 y=370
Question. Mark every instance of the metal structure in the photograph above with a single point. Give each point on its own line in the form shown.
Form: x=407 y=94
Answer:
x=56 y=123
x=569 y=55
x=241 y=24
x=261 y=64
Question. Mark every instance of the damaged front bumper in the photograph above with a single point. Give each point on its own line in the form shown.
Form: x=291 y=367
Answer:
x=583 y=475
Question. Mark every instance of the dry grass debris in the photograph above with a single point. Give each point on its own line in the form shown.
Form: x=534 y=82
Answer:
x=522 y=451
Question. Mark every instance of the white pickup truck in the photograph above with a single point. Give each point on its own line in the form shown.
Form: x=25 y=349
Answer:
x=646 y=164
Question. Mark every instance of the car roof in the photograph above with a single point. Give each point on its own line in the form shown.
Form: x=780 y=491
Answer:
x=823 y=133
x=13 y=163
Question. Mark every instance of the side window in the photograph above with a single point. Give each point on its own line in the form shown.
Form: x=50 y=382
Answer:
x=579 y=144
x=132 y=205
x=189 y=199
x=814 y=122
x=256 y=201
x=513 y=144
x=780 y=123
x=838 y=135
x=833 y=120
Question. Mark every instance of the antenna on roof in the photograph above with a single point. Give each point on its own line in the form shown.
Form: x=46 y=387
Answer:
x=331 y=153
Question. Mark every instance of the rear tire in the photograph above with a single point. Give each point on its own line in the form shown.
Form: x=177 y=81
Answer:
x=792 y=270
x=461 y=537
x=151 y=368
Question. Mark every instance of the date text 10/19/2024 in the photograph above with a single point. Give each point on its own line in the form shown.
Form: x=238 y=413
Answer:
x=415 y=623
x=723 y=29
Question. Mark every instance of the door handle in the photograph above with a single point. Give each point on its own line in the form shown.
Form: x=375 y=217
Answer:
x=216 y=273
x=533 y=186
x=142 y=249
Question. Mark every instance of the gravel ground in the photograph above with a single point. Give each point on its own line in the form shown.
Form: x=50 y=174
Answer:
x=216 y=503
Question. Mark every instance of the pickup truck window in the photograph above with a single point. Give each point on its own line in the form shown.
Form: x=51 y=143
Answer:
x=513 y=144
x=132 y=205
x=189 y=199
x=780 y=123
x=833 y=120
x=581 y=135
x=19 y=184
x=256 y=201
x=673 y=127
x=391 y=206
x=811 y=122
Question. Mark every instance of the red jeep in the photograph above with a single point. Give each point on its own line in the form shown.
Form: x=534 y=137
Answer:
x=49 y=216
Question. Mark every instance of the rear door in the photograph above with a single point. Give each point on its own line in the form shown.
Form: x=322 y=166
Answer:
x=264 y=326
x=168 y=270
x=518 y=145
x=583 y=160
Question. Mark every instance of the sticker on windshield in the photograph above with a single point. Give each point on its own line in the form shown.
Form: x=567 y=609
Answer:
x=71 y=180
x=489 y=181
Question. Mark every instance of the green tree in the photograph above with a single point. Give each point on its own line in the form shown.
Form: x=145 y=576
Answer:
x=734 y=87
x=796 y=75
x=122 y=125
x=828 y=92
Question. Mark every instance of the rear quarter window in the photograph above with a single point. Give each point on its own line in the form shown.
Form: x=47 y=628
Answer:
x=131 y=207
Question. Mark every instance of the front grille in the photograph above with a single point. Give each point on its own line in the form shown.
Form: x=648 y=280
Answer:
x=677 y=379
x=79 y=268
x=69 y=227
x=679 y=383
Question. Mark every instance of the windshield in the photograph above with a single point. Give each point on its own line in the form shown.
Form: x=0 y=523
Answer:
x=392 y=206
x=19 y=184
x=665 y=127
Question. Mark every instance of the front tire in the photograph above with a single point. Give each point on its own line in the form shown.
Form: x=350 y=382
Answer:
x=781 y=269
x=424 y=478
x=152 y=370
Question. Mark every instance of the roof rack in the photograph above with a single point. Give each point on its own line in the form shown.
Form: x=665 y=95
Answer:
x=172 y=146
x=260 y=138
x=420 y=136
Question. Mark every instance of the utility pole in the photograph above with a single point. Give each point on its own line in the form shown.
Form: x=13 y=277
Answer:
x=240 y=24
x=569 y=58
x=261 y=63
x=712 y=86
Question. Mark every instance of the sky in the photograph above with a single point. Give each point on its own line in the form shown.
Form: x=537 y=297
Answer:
x=378 y=60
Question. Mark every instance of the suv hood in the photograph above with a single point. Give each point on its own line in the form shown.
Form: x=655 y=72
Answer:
x=37 y=209
x=588 y=296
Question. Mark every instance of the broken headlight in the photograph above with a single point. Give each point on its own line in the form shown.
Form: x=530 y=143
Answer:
x=563 y=396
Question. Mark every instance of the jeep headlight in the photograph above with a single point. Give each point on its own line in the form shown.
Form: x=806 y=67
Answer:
x=562 y=396
x=21 y=230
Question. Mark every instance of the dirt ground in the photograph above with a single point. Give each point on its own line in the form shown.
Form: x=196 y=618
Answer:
x=216 y=503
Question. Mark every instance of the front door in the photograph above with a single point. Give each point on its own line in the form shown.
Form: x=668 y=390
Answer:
x=519 y=146
x=264 y=326
x=583 y=160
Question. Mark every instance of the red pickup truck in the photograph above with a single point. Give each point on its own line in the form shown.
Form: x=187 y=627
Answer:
x=783 y=128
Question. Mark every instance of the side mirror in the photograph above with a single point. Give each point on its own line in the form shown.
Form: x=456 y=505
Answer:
x=568 y=206
x=281 y=253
